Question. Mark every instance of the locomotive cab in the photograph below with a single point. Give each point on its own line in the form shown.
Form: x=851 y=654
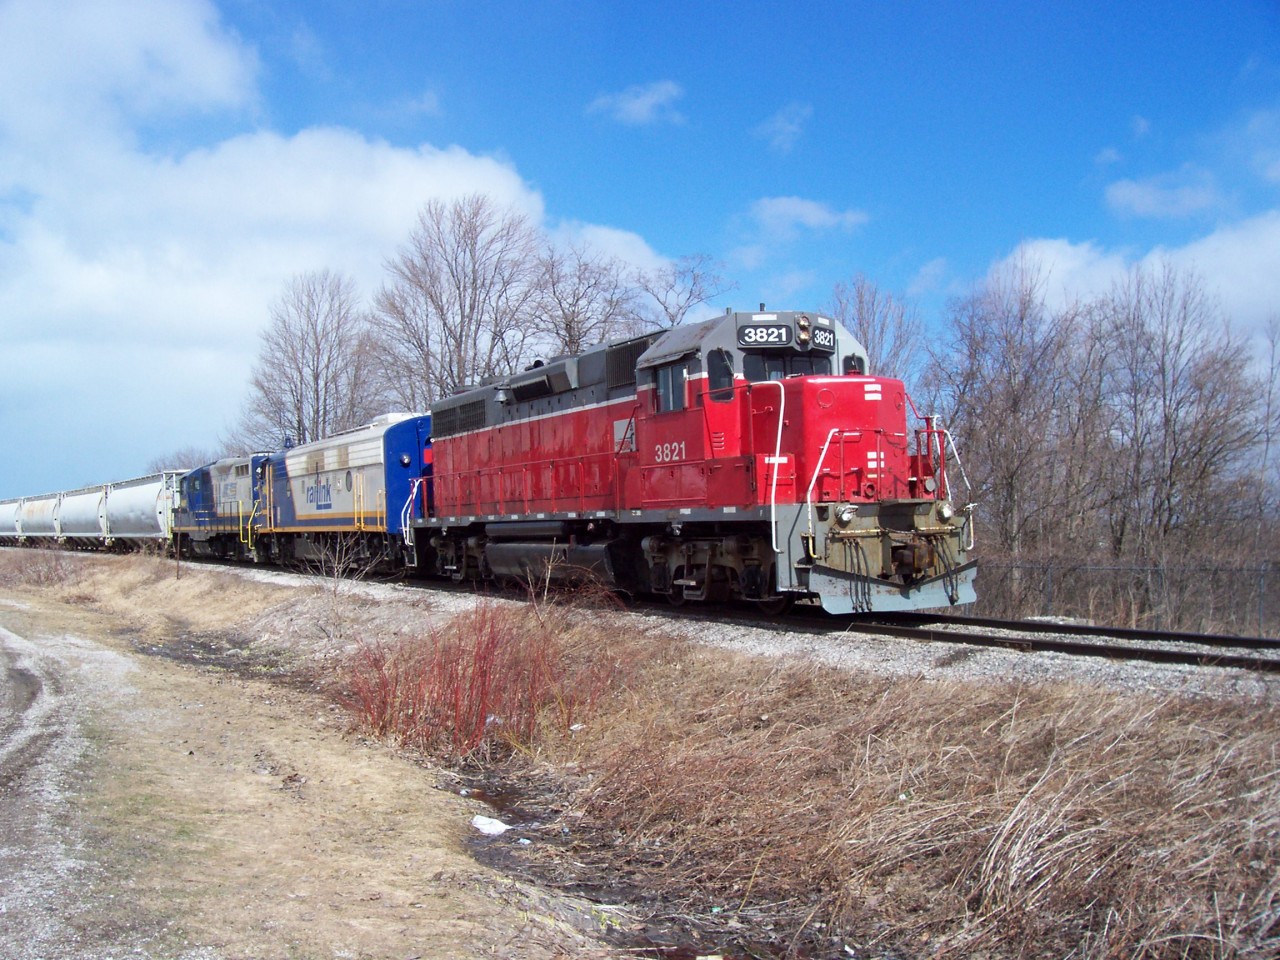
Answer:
x=220 y=507
x=767 y=424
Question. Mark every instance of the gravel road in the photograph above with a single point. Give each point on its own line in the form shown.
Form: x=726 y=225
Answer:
x=153 y=811
x=51 y=689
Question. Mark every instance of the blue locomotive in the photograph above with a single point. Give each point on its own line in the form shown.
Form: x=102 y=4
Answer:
x=346 y=500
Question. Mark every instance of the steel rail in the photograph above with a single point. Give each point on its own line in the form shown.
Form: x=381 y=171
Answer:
x=1108 y=651
x=1085 y=630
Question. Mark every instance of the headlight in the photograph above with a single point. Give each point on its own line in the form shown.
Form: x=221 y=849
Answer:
x=945 y=511
x=845 y=515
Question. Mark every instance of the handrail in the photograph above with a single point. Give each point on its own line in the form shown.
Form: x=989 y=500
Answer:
x=254 y=512
x=813 y=481
x=775 y=460
x=406 y=512
x=964 y=476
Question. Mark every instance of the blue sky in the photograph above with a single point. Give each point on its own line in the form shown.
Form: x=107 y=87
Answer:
x=167 y=165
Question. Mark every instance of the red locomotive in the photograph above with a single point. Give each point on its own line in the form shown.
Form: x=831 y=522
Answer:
x=747 y=456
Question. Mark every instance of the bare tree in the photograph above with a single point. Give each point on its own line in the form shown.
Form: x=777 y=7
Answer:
x=185 y=458
x=1267 y=490
x=585 y=299
x=681 y=285
x=998 y=383
x=1129 y=431
x=890 y=331
x=460 y=303
x=405 y=344
x=1188 y=413
x=314 y=374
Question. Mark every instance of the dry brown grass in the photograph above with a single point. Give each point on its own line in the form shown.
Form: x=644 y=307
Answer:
x=901 y=817
x=933 y=819
x=946 y=818
x=38 y=567
x=142 y=585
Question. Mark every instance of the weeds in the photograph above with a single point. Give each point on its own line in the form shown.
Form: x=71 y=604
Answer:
x=491 y=682
x=889 y=817
x=898 y=814
x=872 y=814
x=38 y=567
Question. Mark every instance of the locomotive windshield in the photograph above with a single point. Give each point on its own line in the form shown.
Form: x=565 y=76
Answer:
x=778 y=366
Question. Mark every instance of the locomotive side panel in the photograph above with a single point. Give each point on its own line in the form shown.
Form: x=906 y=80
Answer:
x=560 y=463
x=355 y=482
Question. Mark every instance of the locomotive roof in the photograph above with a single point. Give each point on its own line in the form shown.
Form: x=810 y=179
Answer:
x=679 y=341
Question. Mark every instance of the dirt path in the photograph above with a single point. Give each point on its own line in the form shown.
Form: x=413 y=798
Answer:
x=150 y=808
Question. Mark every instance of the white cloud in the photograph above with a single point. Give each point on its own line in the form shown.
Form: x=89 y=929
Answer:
x=784 y=128
x=624 y=245
x=641 y=105
x=308 y=52
x=929 y=278
x=157 y=236
x=1071 y=271
x=1184 y=193
x=1260 y=140
x=1107 y=156
x=427 y=104
x=1236 y=263
x=788 y=286
x=1140 y=127
x=783 y=217
x=86 y=65
x=133 y=283
x=1239 y=262
x=750 y=256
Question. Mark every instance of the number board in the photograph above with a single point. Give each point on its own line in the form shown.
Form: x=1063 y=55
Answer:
x=764 y=335
x=824 y=339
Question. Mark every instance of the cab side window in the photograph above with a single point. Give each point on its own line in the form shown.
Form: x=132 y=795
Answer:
x=670 y=383
x=720 y=376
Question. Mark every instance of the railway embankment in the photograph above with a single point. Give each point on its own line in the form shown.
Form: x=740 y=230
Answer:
x=272 y=766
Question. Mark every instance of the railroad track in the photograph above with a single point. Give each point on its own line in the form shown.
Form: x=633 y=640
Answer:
x=1258 y=654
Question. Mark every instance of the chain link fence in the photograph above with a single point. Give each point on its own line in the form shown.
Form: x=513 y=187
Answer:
x=1199 y=599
